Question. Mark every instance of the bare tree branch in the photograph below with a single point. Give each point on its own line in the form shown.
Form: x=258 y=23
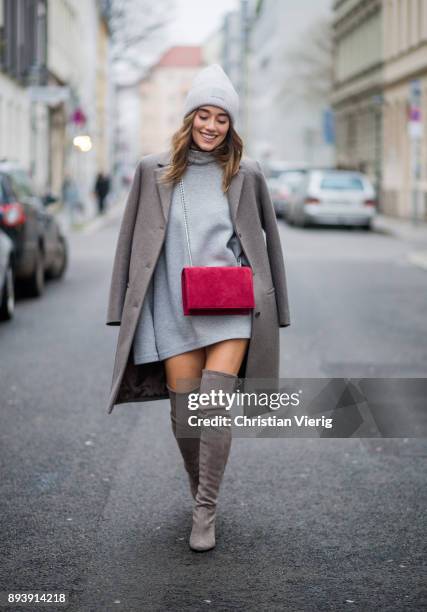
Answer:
x=311 y=63
x=136 y=26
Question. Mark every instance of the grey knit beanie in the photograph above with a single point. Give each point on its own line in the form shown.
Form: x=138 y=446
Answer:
x=213 y=87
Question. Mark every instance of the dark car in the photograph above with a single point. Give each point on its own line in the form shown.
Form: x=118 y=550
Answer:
x=40 y=247
x=7 y=281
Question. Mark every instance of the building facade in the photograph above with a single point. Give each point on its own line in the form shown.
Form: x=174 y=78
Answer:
x=54 y=87
x=380 y=58
x=357 y=96
x=285 y=113
x=163 y=93
x=23 y=63
x=404 y=187
x=78 y=43
x=233 y=56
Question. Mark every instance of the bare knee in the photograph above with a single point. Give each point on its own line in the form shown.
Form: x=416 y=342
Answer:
x=183 y=371
x=226 y=356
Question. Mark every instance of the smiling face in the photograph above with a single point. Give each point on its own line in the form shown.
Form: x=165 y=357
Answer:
x=210 y=127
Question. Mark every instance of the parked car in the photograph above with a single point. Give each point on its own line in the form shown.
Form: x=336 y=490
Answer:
x=337 y=197
x=274 y=168
x=279 y=194
x=7 y=278
x=40 y=246
x=284 y=186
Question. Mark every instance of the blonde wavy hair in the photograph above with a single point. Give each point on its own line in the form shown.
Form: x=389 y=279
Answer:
x=228 y=153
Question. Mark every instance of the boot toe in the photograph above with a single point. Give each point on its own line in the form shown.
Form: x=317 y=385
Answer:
x=202 y=535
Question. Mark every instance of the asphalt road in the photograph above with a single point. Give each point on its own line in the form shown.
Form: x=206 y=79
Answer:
x=98 y=506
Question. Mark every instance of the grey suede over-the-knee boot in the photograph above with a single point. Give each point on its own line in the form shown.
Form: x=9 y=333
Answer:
x=187 y=437
x=215 y=443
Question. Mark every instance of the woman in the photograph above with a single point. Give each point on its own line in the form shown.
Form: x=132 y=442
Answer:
x=162 y=353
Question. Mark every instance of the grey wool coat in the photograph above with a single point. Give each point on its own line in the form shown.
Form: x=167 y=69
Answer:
x=139 y=243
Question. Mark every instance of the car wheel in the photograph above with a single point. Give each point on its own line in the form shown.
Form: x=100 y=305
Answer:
x=35 y=284
x=7 y=306
x=57 y=271
x=366 y=226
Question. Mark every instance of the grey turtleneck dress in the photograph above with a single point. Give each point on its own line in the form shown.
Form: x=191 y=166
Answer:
x=163 y=330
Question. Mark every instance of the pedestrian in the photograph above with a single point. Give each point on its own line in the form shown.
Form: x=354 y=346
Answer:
x=161 y=353
x=71 y=198
x=102 y=188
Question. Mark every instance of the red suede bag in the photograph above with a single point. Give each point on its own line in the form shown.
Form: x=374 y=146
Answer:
x=215 y=290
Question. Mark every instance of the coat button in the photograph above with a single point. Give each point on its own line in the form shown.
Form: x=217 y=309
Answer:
x=161 y=227
x=257 y=314
x=148 y=264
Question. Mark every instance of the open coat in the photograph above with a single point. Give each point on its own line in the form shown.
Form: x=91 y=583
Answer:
x=140 y=240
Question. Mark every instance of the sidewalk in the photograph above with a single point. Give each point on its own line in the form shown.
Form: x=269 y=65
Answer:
x=404 y=229
x=401 y=228
x=91 y=225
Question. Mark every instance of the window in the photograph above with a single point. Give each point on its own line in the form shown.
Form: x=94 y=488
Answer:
x=6 y=193
x=421 y=18
x=340 y=182
x=21 y=184
x=3 y=196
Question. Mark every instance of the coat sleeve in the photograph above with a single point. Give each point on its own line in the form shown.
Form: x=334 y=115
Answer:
x=274 y=249
x=120 y=274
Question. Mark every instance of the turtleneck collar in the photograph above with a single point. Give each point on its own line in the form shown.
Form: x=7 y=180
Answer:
x=196 y=156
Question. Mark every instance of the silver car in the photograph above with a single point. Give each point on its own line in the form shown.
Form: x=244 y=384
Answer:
x=337 y=197
x=279 y=193
x=282 y=186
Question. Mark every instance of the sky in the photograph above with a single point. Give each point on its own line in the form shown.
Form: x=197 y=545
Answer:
x=192 y=21
x=196 y=19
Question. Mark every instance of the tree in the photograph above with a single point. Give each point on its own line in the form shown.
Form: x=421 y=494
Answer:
x=309 y=73
x=137 y=29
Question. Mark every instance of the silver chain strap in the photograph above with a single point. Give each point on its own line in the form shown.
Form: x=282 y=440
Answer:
x=181 y=185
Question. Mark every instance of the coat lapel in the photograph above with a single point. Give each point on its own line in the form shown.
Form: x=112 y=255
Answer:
x=165 y=190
